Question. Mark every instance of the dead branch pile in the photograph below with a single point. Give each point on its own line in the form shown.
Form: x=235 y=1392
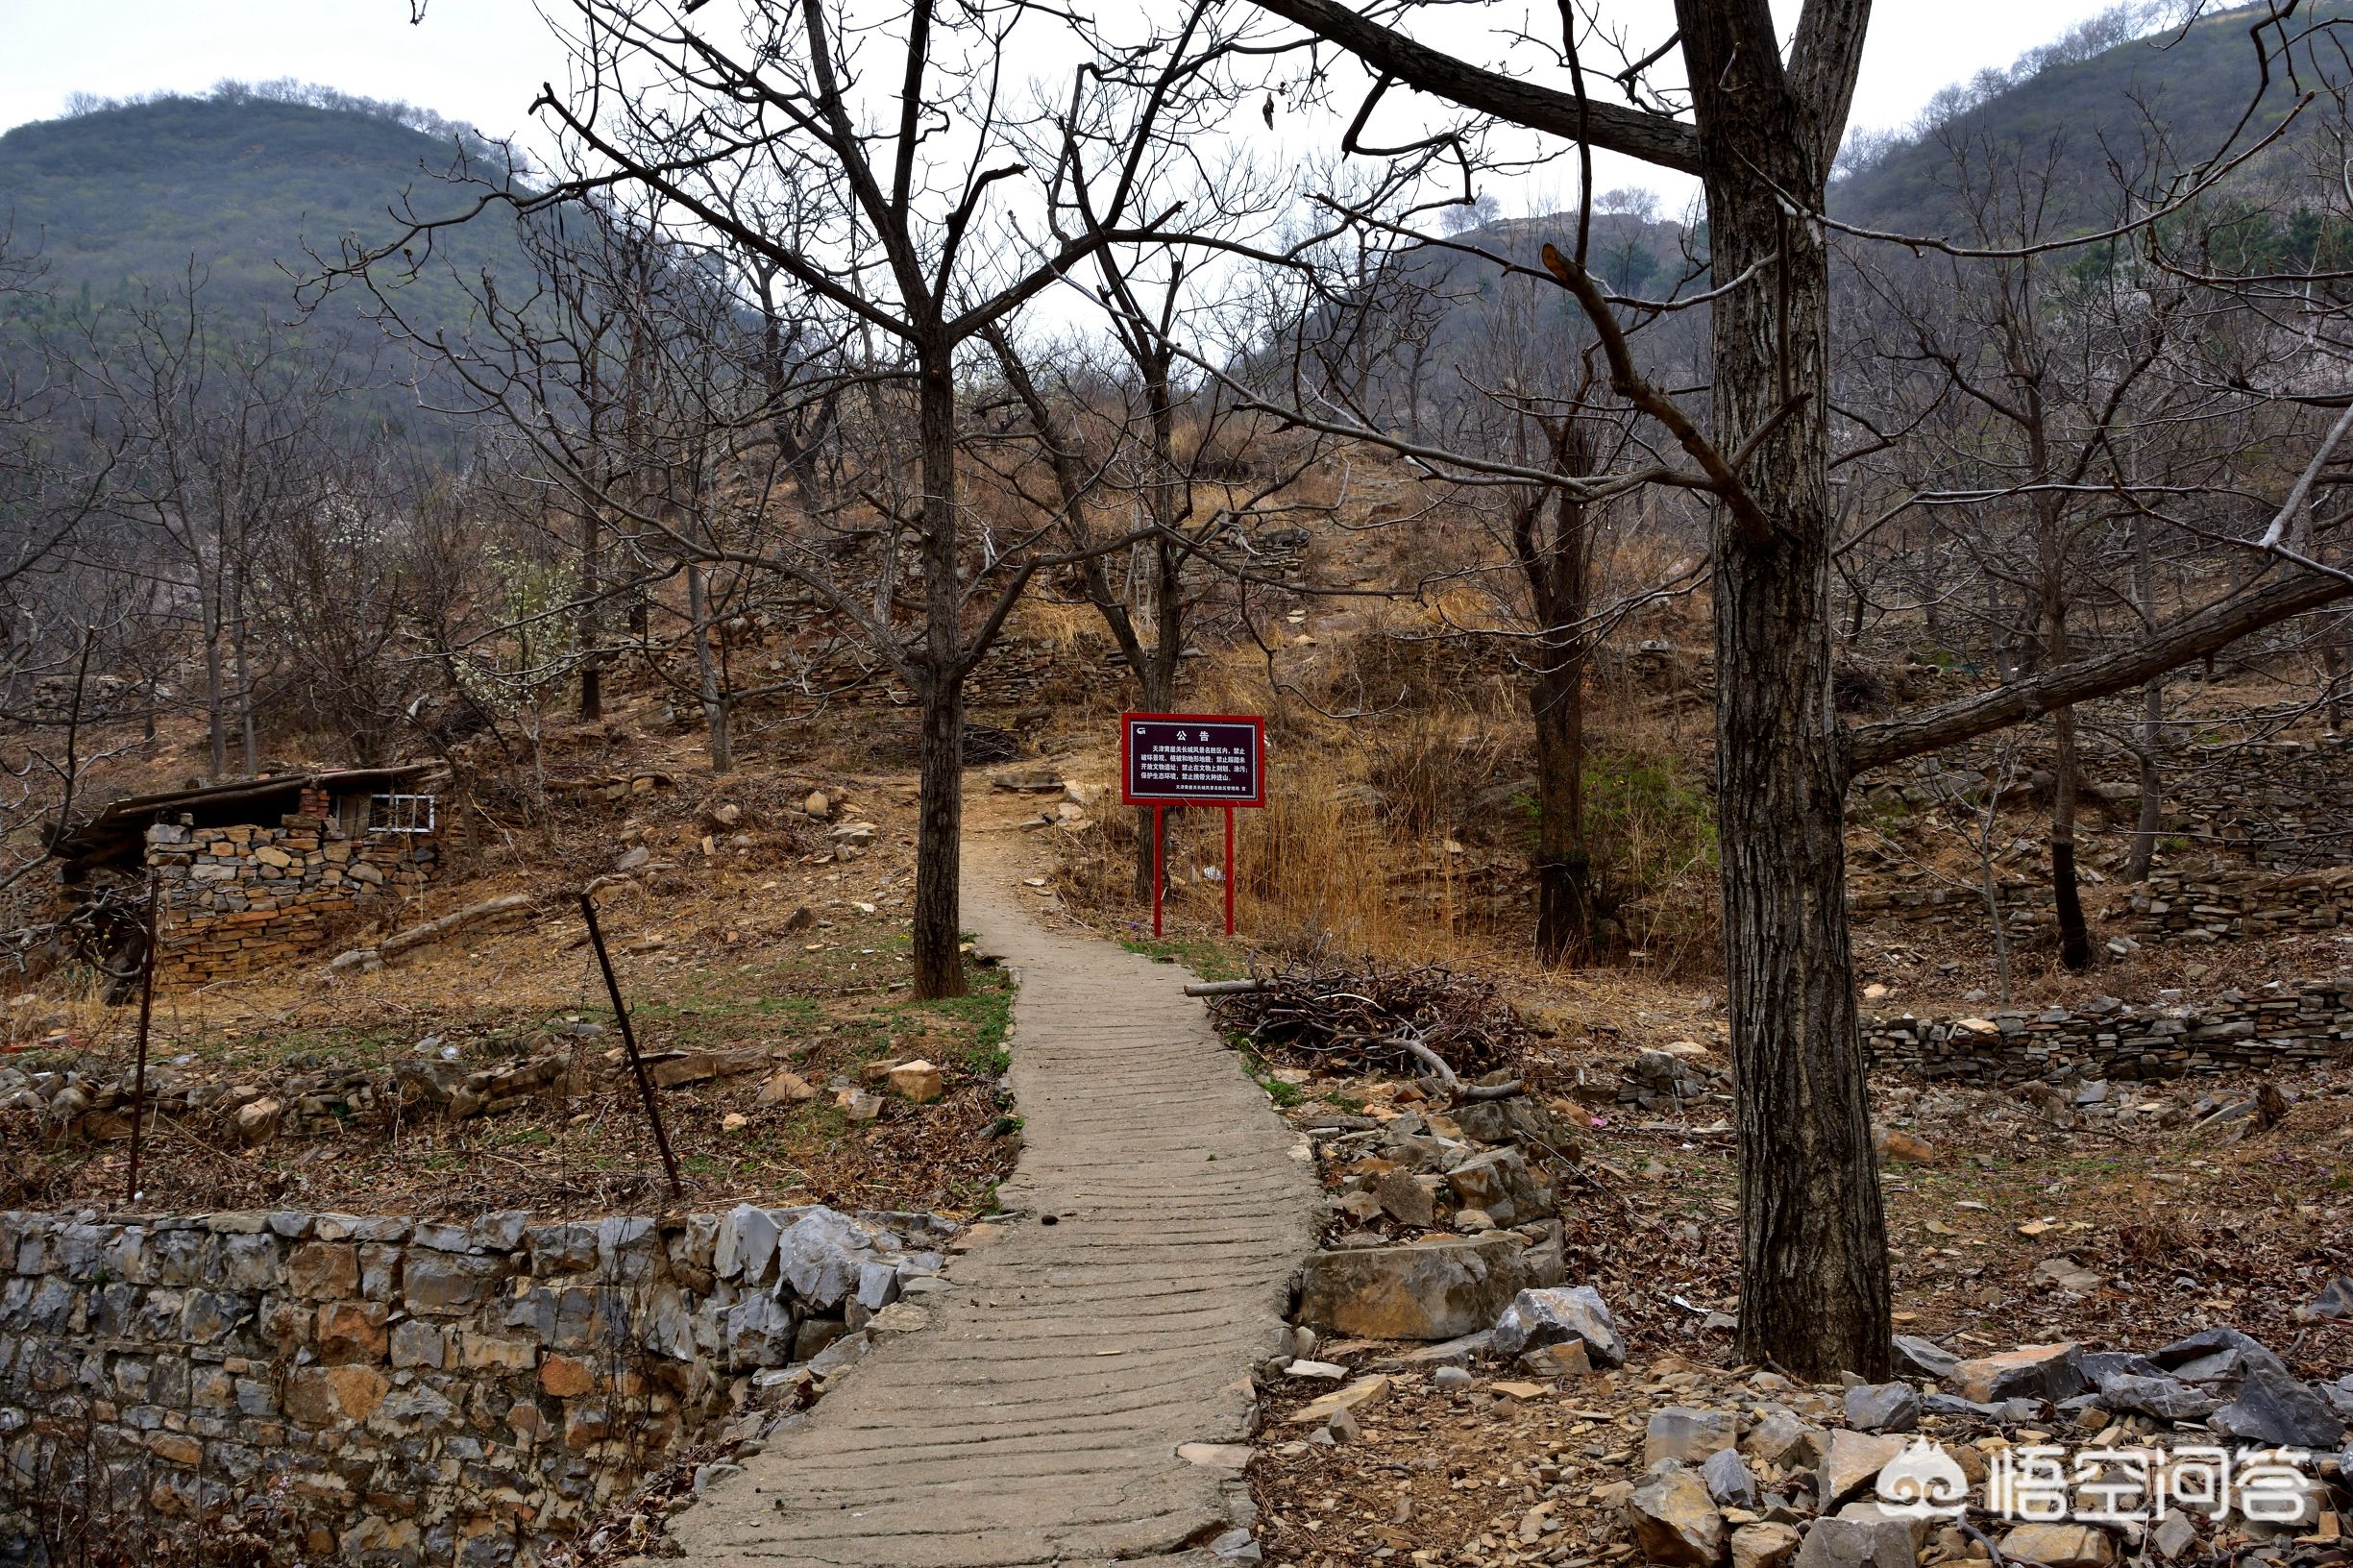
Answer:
x=1425 y=1020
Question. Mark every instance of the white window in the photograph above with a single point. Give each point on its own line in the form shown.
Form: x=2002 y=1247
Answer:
x=401 y=814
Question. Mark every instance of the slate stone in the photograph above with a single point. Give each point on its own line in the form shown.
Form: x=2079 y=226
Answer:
x=2274 y=1409
x=1883 y=1407
x=1439 y=1289
x=1729 y=1478
x=1689 y=1435
x=2167 y=1399
x=2202 y=1356
x=1552 y=1316
x=1925 y=1357
x=1675 y=1522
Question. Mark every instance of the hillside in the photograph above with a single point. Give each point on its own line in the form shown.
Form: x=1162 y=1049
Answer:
x=251 y=190
x=2076 y=104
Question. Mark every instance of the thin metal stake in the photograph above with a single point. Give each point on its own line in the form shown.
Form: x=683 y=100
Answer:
x=147 y=1008
x=629 y=1041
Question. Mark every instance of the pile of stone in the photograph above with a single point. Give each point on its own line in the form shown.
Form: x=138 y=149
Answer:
x=2282 y=1025
x=428 y=1392
x=2238 y=905
x=1826 y=1477
x=1443 y=1217
x=304 y=1101
x=1674 y=1077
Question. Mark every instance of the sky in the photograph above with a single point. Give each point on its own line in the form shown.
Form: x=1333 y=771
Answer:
x=482 y=61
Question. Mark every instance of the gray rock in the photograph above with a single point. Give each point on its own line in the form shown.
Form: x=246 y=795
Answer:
x=1784 y=1440
x=1555 y=1315
x=1728 y=1480
x=1883 y=1407
x=2052 y=1372
x=1850 y=1464
x=2333 y=1304
x=1500 y=1183
x=2005 y=1411
x=2274 y=1408
x=1675 y=1522
x=1856 y=1543
x=1680 y=1433
x=821 y=1256
x=2100 y=1365
x=2173 y=1536
x=2339 y=1397
x=2167 y=1399
x=842 y=1353
x=1442 y=1289
x=759 y=1333
x=746 y=1243
x=1925 y=1357
x=2204 y=1357
x=1451 y=1378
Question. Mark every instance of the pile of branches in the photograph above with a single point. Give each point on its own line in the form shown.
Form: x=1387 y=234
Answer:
x=1425 y=1020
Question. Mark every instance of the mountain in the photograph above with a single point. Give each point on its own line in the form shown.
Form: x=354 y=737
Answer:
x=2071 y=104
x=252 y=189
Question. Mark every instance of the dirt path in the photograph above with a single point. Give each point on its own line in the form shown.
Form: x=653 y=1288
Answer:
x=1037 y=1419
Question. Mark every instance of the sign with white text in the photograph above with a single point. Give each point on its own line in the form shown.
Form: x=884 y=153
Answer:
x=1192 y=759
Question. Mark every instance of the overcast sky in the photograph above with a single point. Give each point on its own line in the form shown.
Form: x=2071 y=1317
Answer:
x=482 y=61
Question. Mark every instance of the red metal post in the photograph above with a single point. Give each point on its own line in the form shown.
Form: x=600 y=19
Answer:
x=1229 y=871
x=1159 y=876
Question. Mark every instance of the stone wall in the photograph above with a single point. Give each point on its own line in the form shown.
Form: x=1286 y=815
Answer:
x=2026 y=907
x=2229 y=906
x=416 y=1394
x=241 y=897
x=2309 y=1021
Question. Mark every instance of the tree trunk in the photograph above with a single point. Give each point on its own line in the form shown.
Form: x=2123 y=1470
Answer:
x=216 y=717
x=2074 y=934
x=706 y=671
x=591 y=616
x=938 y=930
x=1564 y=866
x=2152 y=783
x=1815 y=1285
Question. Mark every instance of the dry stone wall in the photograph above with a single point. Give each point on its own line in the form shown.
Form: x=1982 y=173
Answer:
x=241 y=897
x=414 y=1392
x=2309 y=1021
x=2230 y=906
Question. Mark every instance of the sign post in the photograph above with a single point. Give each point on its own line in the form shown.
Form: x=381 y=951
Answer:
x=1192 y=759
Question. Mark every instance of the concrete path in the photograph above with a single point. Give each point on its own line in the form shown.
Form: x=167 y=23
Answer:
x=1036 y=1421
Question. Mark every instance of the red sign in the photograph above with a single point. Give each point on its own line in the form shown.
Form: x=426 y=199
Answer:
x=1192 y=759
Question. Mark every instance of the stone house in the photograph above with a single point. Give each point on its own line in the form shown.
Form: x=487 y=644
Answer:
x=256 y=872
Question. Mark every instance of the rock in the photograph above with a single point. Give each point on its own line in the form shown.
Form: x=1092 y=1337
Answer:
x=734 y=1121
x=853 y=833
x=1856 y=1543
x=2060 y=1546
x=2052 y=1372
x=2273 y=1408
x=918 y=1081
x=818 y=803
x=1925 y=1357
x=1404 y=1200
x=2167 y=1399
x=858 y=1105
x=2333 y=1304
x=1763 y=1546
x=2006 y=1413
x=1897 y=1144
x=1675 y=1521
x=1235 y=1457
x=1728 y=1480
x=1499 y=1185
x=2068 y=1275
x=630 y=860
x=1552 y=1316
x=257 y=1121
x=1853 y=1461
x=1318 y=1371
x=1883 y=1407
x=1678 y=1433
x=786 y=1088
x=1567 y=1360
x=2173 y=1536
x=1783 y=1440
x=1438 y=1290
x=843 y=1354
x=1451 y=1378
x=1452 y=1353
x=1361 y=1394
x=2203 y=1355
